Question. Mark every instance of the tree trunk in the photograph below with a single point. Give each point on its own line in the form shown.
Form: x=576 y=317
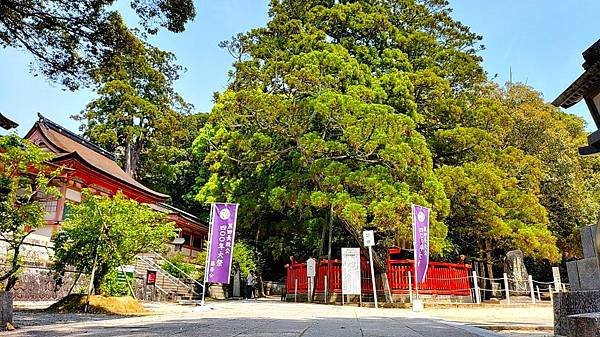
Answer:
x=379 y=262
x=6 y=308
x=489 y=260
x=386 y=288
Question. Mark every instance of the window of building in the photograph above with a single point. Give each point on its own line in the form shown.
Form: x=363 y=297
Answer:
x=50 y=205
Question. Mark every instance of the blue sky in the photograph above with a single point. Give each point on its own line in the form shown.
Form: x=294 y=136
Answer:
x=540 y=40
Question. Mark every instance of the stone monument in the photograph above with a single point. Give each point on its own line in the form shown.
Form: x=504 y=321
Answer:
x=584 y=274
x=514 y=267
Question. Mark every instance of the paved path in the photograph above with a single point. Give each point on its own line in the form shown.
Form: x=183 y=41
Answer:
x=264 y=319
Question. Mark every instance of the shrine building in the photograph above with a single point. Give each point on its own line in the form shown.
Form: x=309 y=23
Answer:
x=86 y=165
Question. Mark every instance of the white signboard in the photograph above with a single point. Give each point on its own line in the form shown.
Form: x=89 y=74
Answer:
x=368 y=238
x=351 y=271
x=557 y=281
x=311 y=267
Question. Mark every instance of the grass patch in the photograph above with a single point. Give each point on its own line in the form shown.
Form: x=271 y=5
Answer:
x=75 y=303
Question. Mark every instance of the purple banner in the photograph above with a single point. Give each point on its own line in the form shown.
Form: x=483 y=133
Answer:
x=222 y=237
x=420 y=217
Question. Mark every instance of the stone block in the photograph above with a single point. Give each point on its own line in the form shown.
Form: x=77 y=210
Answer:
x=588 y=235
x=584 y=325
x=589 y=275
x=573 y=275
x=573 y=303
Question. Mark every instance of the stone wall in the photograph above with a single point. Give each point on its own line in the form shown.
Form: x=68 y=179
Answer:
x=36 y=283
x=573 y=303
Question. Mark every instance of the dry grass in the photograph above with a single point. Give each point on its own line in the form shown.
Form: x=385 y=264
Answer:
x=75 y=303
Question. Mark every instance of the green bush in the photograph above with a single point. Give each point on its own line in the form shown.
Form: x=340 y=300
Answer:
x=112 y=286
x=178 y=265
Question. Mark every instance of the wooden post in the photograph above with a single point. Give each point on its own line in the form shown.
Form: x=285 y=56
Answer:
x=538 y=293
x=296 y=290
x=410 y=286
x=326 y=288
x=506 y=288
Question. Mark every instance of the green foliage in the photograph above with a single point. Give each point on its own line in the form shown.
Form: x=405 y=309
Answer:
x=569 y=185
x=103 y=233
x=326 y=115
x=112 y=286
x=244 y=258
x=24 y=180
x=70 y=39
x=136 y=100
x=178 y=265
x=141 y=118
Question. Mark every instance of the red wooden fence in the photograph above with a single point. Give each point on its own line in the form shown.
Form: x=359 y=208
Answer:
x=442 y=278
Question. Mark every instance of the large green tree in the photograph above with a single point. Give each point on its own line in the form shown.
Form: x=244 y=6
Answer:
x=569 y=186
x=325 y=119
x=70 y=39
x=136 y=103
x=102 y=233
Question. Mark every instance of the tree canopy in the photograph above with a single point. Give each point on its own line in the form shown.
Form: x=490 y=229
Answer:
x=70 y=39
x=350 y=111
x=24 y=182
x=326 y=116
x=103 y=233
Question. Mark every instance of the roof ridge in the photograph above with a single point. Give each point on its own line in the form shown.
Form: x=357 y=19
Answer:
x=75 y=137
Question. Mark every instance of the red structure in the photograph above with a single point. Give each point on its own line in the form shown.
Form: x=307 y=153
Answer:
x=86 y=165
x=442 y=278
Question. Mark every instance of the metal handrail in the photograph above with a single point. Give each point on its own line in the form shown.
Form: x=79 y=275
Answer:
x=179 y=270
x=172 y=278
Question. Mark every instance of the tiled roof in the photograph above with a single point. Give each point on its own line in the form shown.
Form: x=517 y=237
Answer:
x=68 y=143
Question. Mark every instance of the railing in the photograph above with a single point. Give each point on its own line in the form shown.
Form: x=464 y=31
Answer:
x=190 y=279
x=184 y=284
x=442 y=278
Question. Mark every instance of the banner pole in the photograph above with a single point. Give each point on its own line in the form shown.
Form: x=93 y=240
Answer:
x=415 y=252
x=209 y=241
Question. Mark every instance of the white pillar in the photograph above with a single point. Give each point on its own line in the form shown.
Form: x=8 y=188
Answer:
x=531 y=289
x=373 y=276
x=506 y=288
x=476 y=288
x=538 y=292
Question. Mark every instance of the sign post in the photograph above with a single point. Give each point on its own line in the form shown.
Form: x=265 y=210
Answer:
x=420 y=219
x=220 y=247
x=311 y=271
x=369 y=241
x=351 y=271
x=151 y=281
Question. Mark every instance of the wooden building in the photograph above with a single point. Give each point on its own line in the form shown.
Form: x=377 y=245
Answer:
x=86 y=165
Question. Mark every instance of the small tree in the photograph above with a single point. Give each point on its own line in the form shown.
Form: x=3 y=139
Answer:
x=24 y=179
x=103 y=233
